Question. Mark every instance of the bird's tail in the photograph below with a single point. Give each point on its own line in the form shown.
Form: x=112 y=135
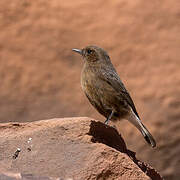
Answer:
x=146 y=134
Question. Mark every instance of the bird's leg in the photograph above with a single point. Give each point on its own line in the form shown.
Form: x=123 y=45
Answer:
x=109 y=117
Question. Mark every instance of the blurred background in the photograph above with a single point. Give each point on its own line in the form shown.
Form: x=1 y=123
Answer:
x=40 y=75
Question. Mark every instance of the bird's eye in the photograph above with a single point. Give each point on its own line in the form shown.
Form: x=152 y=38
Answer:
x=89 y=51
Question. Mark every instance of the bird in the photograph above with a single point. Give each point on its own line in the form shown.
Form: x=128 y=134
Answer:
x=106 y=92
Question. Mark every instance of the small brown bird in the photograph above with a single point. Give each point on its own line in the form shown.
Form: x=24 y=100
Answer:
x=105 y=90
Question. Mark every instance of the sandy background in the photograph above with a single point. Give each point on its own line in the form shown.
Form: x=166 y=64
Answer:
x=40 y=75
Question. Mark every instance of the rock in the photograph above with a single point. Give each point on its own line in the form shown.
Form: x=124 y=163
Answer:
x=16 y=176
x=76 y=148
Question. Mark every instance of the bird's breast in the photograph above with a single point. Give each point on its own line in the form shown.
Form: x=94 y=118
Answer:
x=88 y=81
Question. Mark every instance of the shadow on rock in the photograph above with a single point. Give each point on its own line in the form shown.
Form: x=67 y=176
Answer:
x=102 y=133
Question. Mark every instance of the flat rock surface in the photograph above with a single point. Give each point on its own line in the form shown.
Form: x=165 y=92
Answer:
x=76 y=148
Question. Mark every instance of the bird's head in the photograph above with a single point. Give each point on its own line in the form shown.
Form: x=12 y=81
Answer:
x=93 y=55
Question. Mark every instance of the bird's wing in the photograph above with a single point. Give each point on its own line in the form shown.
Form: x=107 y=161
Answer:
x=112 y=78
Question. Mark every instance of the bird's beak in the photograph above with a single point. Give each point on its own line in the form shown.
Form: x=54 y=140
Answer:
x=78 y=51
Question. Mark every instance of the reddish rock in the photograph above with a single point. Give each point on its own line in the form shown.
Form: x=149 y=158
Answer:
x=19 y=176
x=77 y=148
